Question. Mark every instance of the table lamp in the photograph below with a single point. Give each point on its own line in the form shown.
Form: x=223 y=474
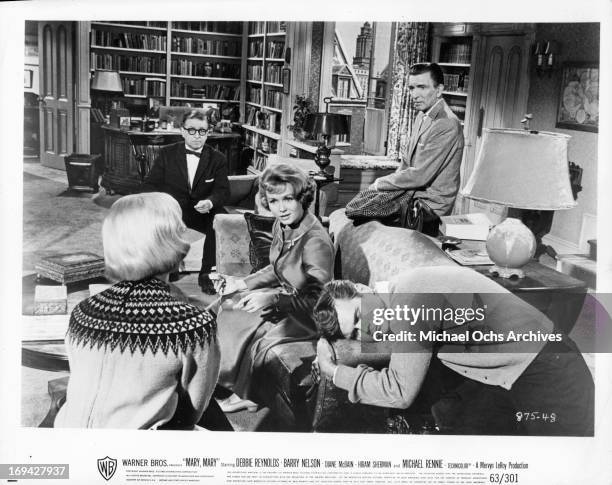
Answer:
x=108 y=84
x=326 y=124
x=519 y=169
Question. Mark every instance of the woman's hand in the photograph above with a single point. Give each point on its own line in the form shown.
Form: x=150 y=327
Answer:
x=226 y=285
x=258 y=300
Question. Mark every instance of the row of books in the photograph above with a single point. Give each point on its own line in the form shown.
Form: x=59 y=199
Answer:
x=120 y=62
x=272 y=27
x=456 y=82
x=275 y=49
x=181 y=89
x=263 y=119
x=458 y=109
x=274 y=99
x=260 y=161
x=250 y=139
x=253 y=94
x=257 y=27
x=456 y=53
x=274 y=73
x=267 y=145
x=188 y=67
x=254 y=72
x=210 y=26
x=256 y=48
x=213 y=47
x=139 y=23
x=128 y=40
x=143 y=87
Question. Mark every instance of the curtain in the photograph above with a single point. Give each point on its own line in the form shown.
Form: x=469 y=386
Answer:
x=411 y=46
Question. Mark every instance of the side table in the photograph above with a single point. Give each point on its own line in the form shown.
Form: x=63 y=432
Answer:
x=558 y=296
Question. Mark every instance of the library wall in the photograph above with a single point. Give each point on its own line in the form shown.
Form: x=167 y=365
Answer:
x=578 y=42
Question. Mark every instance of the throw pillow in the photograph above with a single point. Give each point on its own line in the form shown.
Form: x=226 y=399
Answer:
x=260 y=232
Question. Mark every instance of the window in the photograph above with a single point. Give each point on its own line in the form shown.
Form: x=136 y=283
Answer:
x=359 y=82
x=344 y=88
x=346 y=138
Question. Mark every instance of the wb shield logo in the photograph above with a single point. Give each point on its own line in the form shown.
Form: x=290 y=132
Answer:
x=107 y=467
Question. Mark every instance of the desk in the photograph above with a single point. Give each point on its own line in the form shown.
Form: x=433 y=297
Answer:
x=122 y=172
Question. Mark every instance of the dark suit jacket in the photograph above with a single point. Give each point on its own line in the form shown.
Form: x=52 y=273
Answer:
x=169 y=174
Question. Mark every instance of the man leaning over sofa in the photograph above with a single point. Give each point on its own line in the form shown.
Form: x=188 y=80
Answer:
x=499 y=383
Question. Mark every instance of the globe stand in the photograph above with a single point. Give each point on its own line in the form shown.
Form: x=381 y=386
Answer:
x=505 y=272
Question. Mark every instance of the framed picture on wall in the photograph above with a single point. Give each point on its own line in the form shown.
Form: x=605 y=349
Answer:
x=579 y=97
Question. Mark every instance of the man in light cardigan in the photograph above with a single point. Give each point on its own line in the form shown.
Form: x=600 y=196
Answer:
x=504 y=382
x=430 y=169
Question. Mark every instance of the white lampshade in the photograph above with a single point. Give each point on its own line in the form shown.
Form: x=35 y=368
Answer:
x=522 y=169
x=107 y=81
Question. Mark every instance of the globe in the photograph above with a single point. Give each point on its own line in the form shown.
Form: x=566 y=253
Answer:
x=510 y=246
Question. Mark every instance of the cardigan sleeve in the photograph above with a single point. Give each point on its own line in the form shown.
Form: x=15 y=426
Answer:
x=197 y=382
x=396 y=386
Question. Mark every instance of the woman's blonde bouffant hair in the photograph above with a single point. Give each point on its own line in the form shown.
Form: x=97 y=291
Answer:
x=142 y=236
x=275 y=178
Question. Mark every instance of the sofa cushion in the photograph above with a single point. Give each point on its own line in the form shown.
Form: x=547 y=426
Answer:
x=260 y=234
x=232 y=249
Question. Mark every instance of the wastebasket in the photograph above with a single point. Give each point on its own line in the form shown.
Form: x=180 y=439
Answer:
x=83 y=171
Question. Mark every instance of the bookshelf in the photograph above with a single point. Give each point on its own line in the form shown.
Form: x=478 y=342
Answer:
x=452 y=50
x=178 y=62
x=204 y=62
x=264 y=101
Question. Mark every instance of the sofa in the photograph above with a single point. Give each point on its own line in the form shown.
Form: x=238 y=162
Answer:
x=366 y=254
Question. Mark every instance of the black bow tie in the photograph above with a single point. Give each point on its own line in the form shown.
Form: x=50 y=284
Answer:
x=192 y=152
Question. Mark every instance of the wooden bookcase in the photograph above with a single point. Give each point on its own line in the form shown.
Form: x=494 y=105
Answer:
x=240 y=63
x=138 y=50
x=452 y=49
x=178 y=62
x=265 y=101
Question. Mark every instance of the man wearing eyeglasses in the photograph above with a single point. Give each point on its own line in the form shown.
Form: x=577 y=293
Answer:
x=196 y=176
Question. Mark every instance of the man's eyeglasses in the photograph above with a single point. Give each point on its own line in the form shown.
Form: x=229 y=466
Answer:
x=201 y=131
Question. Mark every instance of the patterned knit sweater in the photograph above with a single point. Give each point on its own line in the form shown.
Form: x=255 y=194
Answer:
x=139 y=358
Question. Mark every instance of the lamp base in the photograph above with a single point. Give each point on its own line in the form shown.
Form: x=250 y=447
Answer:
x=505 y=272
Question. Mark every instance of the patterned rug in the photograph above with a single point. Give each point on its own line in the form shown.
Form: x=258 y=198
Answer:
x=57 y=220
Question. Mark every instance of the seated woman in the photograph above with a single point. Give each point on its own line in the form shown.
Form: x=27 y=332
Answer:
x=274 y=305
x=139 y=357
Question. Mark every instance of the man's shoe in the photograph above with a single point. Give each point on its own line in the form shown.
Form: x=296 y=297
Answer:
x=206 y=284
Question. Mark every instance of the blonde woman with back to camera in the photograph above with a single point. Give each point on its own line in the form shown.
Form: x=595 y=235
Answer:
x=139 y=357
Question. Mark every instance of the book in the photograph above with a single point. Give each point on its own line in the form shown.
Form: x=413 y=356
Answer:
x=470 y=257
x=50 y=300
x=68 y=268
x=466 y=226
